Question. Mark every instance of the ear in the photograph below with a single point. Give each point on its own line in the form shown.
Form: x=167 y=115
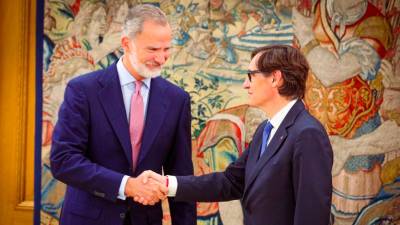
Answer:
x=277 y=78
x=125 y=43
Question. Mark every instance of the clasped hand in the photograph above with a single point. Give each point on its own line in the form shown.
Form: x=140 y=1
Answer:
x=148 y=188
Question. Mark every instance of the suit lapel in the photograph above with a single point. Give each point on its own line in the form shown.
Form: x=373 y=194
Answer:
x=156 y=111
x=110 y=97
x=276 y=142
x=254 y=151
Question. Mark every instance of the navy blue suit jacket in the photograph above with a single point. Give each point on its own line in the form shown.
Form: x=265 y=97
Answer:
x=290 y=184
x=91 y=149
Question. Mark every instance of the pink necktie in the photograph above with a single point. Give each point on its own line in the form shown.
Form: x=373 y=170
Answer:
x=136 y=122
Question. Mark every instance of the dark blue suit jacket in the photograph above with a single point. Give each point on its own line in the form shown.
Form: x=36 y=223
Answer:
x=290 y=184
x=91 y=149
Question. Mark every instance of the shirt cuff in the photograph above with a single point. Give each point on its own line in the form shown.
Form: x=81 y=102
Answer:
x=172 y=186
x=121 y=191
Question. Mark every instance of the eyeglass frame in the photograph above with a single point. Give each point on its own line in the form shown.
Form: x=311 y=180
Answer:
x=251 y=72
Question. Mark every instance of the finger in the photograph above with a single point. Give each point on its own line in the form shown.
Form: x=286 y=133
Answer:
x=136 y=198
x=153 y=182
x=158 y=177
x=154 y=200
x=155 y=194
x=139 y=199
x=163 y=197
x=151 y=195
x=162 y=194
x=145 y=176
x=144 y=201
x=148 y=191
x=162 y=187
x=159 y=194
x=150 y=203
x=158 y=187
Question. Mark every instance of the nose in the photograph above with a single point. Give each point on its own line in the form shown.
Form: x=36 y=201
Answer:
x=161 y=58
x=246 y=83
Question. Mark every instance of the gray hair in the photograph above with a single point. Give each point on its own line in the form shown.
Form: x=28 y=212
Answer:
x=138 y=15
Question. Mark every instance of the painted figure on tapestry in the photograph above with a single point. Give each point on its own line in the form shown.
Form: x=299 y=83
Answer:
x=347 y=45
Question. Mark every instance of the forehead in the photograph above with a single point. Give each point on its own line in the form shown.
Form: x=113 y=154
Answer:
x=154 y=34
x=253 y=62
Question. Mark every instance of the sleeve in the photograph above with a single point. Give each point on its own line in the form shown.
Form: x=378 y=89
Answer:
x=68 y=157
x=121 y=190
x=218 y=186
x=312 y=179
x=179 y=162
x=173 y=186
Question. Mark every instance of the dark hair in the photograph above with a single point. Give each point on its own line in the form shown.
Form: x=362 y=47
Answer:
x=292 y=64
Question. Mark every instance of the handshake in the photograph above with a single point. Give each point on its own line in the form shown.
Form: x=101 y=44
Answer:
x=148 y=188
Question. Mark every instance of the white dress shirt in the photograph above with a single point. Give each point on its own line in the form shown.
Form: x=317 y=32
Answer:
x=128 y=88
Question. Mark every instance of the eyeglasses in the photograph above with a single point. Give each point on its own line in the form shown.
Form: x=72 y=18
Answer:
x=251 y=72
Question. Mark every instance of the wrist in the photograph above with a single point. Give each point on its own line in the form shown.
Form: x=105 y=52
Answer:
x=128 y=190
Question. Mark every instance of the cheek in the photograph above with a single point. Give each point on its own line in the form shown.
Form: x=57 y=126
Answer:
x=167 y=54
x=147 y=58
x=144 y=56
x=261 y=94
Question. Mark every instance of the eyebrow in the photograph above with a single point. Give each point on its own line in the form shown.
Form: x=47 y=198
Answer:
x=158 y=47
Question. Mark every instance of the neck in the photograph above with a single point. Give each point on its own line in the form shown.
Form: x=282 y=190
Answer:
x=130 y=69
x=274 y=106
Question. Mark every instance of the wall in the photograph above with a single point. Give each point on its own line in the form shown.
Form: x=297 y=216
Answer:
x=17 y=102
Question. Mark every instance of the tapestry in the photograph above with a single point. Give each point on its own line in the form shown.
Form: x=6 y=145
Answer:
x=353 y=87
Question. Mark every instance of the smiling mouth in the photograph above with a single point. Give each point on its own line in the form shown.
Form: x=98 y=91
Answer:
x=154 y=67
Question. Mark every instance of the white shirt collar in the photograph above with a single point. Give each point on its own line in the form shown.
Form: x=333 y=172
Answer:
x=277 y=119
x=126 y=78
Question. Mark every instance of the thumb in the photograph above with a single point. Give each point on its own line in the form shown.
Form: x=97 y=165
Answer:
x=158 y=177
x=145 y=177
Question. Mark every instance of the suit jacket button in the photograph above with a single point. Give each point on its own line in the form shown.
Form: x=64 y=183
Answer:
x=99 y=194
x=122 y=215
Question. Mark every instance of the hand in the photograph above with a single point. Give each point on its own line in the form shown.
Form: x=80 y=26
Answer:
x=145 y=190
x=149 y=177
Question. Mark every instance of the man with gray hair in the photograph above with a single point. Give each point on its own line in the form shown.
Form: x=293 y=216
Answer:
x=118 y=122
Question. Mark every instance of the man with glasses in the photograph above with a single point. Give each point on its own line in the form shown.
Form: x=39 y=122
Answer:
x=284 y=176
